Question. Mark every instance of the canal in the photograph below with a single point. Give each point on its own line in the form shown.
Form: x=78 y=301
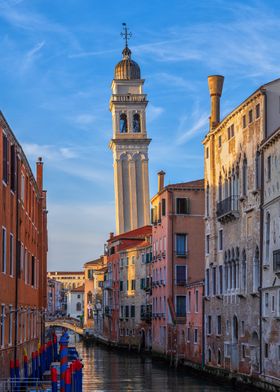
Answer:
x=110 y=370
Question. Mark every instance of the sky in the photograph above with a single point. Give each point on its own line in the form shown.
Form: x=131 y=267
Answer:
x=56 y=68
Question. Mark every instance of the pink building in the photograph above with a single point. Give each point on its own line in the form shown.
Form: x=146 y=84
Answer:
x=178 y=269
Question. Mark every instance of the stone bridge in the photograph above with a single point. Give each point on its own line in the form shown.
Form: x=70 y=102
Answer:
x=68 y=323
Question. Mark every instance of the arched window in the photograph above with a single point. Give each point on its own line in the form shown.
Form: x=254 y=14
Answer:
x=237 y=266
x=78 y=306
x=244 y=270
x=258 y=170
x=123 y=123
x=136 y=123
x=256 y=276
x=267 y=237
x=245 y=177
x=229 y=270
x=226 y=272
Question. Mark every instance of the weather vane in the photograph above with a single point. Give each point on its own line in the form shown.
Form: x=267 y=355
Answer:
x=126 y=34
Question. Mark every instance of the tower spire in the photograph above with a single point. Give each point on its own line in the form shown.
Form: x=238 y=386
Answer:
x=126 y=34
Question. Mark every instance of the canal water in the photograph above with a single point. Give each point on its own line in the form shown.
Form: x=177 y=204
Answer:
x=110 y=370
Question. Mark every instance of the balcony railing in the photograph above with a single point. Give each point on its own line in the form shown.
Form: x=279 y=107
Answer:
x=128 y=98
x=228 y=208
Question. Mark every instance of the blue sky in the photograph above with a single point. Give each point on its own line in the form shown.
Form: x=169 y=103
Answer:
x=57 y=64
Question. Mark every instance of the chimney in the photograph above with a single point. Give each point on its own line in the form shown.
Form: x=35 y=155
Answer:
x=39 y=173
x=161 y=175
x=111 y=235
x=215 y=84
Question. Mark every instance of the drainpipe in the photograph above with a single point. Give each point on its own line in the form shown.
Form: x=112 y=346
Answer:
x=17 y=270
x=203 y=325
x=261 y=228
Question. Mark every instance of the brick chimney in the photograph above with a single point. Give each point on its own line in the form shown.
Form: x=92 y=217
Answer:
x=39 y=173
x=161 y=175
x=215 y=84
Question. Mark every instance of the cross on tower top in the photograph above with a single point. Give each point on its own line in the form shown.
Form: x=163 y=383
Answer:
x=126 y=34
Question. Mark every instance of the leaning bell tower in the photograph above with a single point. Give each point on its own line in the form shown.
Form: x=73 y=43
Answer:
x=129 y=144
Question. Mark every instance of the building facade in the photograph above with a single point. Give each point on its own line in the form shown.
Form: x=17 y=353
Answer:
x=270 y=312
x=129 y=146
x=127 y=315
x=75 y=302
x=177 y=269
x=94 y=276
x=23 y=259
x=54 y=295
x=69 y=280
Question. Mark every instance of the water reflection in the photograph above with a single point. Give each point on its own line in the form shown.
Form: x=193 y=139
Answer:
x=108 y=370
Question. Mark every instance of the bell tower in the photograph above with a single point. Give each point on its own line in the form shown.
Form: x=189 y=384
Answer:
x=129 y=144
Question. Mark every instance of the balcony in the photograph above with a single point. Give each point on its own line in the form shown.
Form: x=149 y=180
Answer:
x=146 y=316
x=228 y=209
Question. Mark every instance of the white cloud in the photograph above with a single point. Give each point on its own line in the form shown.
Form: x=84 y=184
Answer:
x=154 y=112
x=84 y=119
x=31 y=55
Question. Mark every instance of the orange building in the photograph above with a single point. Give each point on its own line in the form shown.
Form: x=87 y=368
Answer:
x=23 y=257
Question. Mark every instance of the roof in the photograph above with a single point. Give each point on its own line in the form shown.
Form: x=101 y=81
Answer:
x=136 y=234
x=94 y=262
x=79 y=289
x=190 y=186
x=127 y=69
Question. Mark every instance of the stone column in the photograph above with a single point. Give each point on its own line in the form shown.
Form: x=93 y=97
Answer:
x=146 y=193
x=118 y=196
x=133 y=195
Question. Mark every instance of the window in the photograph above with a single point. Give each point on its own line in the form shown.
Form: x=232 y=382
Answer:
x=11 y=254
x=22 y=188
x=4 y=250
x=136 y=123
x=230 y=131
x=214 y=280
x=189 y=302
x=10 y=325
x=13 y=167
x=219 y=357
x=5 y=159
x=220 y=141
x=182 y=206
x=207 y=152
x=250 y=116
x=269 y=168
x=188 y=334
x=221 y=245
x=266 y=303
x=266 y=350
x=142 y=284
x=196 y=301
x=245 y=179
x=133 y=260
x=244 y=271
x=123 y=123
x=181 y=306
x=219 y=325
x=207 y=282
x=181 y=244
x=2 y=334
x=163 y=207
x=126 y=311
x=227 y=327
x=267 y=237
x=121 y=285
x=181 y=272
x=273 y=303
x=207 y=244
x=207 y=200
x=258 y=170
x=133 y=284
x=195 y=340
x=132 y=311
x=276 y=260
x=243 y=349
x=78 y=306
x=244 y=121
x=32 y=271
x=221 y=279
x=256 y=272
x=258 y=110
x=127 y=285
x=242 y=328
x=209 y=355
x=209 y=325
